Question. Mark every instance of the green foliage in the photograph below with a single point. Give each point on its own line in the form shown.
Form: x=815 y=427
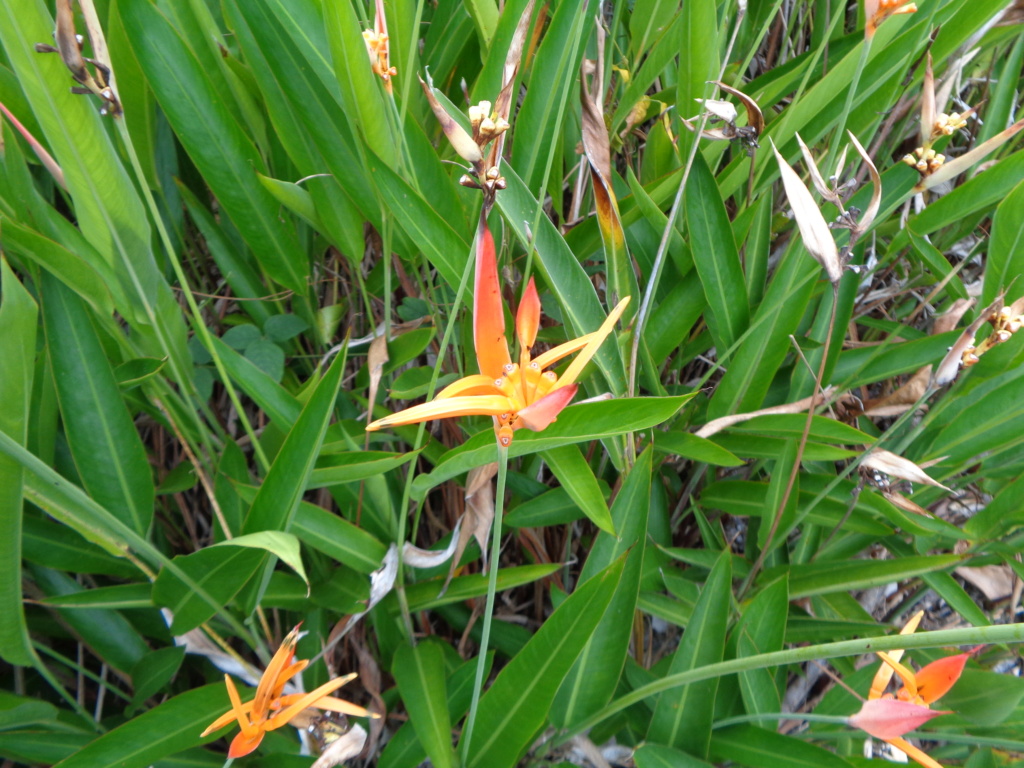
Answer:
x=206 y=298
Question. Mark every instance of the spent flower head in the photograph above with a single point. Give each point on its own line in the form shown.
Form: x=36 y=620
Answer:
x=271 y=707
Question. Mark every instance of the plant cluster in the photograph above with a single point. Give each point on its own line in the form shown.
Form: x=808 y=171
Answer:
x=258 y=259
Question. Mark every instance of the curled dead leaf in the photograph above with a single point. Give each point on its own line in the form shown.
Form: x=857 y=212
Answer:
x=896 y=466
x=431 y=558
x=345 y=747
x=459 y=138
x=814 y=231
x=717 y=425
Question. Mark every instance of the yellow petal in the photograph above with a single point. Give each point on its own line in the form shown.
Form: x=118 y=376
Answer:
x=576 y=366
x=555 y=354
x=470 y=405
x=305 y=700
x=885 y=672
x=269 y=681
x=248 y=728
x=475 y=384
x=915 y=753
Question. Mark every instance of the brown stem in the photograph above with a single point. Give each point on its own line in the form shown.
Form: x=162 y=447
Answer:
x=800 y=448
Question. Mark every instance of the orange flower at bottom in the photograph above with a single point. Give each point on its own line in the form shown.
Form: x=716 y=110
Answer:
x=889 y=717
x=271 y=708
x=878 y=11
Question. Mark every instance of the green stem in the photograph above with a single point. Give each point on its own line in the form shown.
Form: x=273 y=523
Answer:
x=806 y=717
x=492 y=589
x=1003 y=633
x=403 y=603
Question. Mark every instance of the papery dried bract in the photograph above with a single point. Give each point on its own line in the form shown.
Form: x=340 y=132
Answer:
x=814 y=231
x=897 y=466
x=460 y=139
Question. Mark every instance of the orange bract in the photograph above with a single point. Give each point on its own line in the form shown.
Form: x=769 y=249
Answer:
x=271 y=708
x=889 y=717
x=517 y=395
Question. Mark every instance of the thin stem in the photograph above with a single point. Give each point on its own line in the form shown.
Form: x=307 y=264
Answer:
x=805 y=716
x=403 y=602
x=795 y=471
x=492 y=589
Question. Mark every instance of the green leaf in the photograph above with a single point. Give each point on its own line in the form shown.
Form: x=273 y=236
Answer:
x=419 y=673
x=353 y=466
x=338 y=538
x=154 y=671
x=659 y=756
x=984 y=698
x=576 y=424
x=699 y=56
x=216 y=143
x=577 y=478
x=1006 y=249
x=759 y=747
x=716 y=257
x=165 y=730
x=689 y=446
x=683 y=716
x=220 y=571
x=283 y=545
x=762 y=629
x=18 y=323
x=107 y=633
x=275 y=504
x=516 y=706
x=362 y=92
x=108 y=453
x=430 y=594
x=595 y=675
x=554 y=68
x=822 y=577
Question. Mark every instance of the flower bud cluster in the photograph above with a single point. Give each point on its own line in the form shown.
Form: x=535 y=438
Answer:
x=487 y=125
x=377 y=47
x=925 y=159
x=947 y=125
x=1005 y=323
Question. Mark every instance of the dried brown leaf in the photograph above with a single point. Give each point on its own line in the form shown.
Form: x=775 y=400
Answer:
x=927 y=102
x=479 y=516
x=814 y=231
x=431 y=558
x=799 y=406
x=460 y=139
x=897 y=466
x=375 y=360
x=994 y=581
x=871 y=211
x=345 y=747
x=755 y=118
x=904 y=397
x=901 y=501
x=950 y=365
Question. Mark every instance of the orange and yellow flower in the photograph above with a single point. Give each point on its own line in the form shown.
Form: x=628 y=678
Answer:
x=889 y=717
x=878 y=11
x=517 y=395
x=271 y=708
